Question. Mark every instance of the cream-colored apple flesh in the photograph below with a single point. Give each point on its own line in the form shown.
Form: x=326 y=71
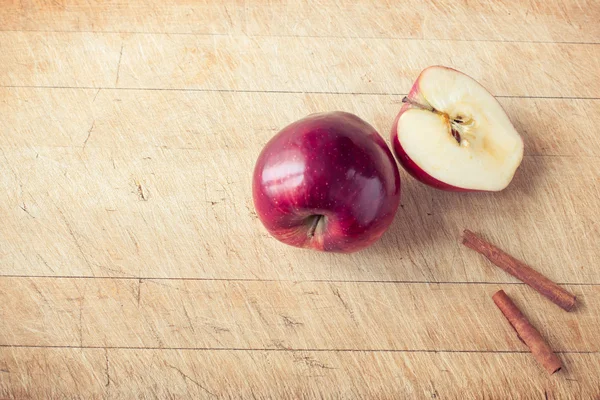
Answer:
x=458 y=133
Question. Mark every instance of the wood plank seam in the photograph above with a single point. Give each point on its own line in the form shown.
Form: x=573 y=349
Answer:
x=404 y=282
x=268 y=91
x=303 y=36
x=292 y=350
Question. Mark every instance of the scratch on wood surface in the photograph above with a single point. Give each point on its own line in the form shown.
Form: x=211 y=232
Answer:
x=81 y=290
x=434 y=392
x=96 y=95
x=119 y=64
x=279 y=344
x=311 y=362
x=289 y=321
x=218 y=329
x=80 y=327
x=45 y=262
x=106 y=368
x=133 y=239
x=141 y=192
x=75 y=240
x=206 y=246
x=89 y=134
x=24 y=208
x=39 y=292
x=189 y=320
x=258 y=310
x=118 y=272
x=337 y=294
x=187 y=377
x=153 y=331
x=229 y=17
x=139 y=292
x=252 y=212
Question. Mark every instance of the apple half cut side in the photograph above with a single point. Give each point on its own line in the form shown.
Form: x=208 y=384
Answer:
x=452 y=134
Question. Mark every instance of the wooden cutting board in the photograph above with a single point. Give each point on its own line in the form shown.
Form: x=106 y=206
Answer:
x=132 y=264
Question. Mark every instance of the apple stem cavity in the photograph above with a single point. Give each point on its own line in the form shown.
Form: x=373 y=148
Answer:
x=314 y=221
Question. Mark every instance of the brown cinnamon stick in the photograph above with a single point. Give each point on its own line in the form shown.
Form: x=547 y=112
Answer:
x=520 y=270
x=528 y=334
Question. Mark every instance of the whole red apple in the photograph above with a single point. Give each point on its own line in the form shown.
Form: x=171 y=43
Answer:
x=327 y=182
x=452 y=134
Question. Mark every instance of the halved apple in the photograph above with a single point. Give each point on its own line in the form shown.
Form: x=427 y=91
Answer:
x=452 y=134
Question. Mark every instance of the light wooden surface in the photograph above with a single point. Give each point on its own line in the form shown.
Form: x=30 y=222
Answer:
x=132 y=264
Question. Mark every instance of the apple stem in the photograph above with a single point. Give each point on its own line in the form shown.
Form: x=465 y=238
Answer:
x=422 y=107
x=419 y=105
x=314 y=224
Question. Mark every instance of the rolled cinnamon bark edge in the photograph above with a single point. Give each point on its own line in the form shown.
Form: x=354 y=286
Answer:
x=528 y=334
x=521 y=271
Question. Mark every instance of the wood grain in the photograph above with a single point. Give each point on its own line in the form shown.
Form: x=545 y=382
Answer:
x=179 y=374
x=360 y=65
x=82 y=59
x=73 y=204
x=70 y=212
x=232 y=121
x=132 y=264
x=531 y=20
x=241 y=63
x=294 y=315
x=40 y=373
x=347 y=375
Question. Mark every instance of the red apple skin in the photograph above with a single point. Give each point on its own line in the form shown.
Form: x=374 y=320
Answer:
x=330 y=164
x=407 y=163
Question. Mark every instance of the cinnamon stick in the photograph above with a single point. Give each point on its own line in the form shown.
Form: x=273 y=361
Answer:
x=528 y=334
x=521 y=271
